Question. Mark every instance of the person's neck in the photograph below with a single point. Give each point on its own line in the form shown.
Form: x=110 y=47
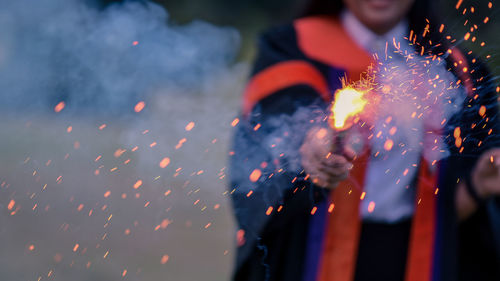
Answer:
x=381 y=29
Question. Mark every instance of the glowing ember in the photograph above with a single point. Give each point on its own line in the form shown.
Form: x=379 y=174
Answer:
x=11 y=204
x=388 y=144
x=235 y=122
x=371 y=207
x=60 y=106
x=240 y=237
x=189 y=126
x=139 y=106
x=347 y=104
x=331 y=207
x=255 y=175
x=137 y=184
x=482 y=110
x=164 y=259
x=164 y=162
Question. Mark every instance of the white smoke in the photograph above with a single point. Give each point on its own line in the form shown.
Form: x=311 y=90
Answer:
x=103 y=60
x=101 y=63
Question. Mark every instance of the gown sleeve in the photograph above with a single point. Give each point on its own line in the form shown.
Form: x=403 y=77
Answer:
x=479 y=235
x=267 y=183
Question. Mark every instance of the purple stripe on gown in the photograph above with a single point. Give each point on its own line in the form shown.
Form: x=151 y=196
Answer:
x=315 y=241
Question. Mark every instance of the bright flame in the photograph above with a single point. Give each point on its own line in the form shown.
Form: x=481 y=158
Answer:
x=348 y=103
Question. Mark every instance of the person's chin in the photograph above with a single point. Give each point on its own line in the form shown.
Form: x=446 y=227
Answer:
x=380 y=5
x=380 y=20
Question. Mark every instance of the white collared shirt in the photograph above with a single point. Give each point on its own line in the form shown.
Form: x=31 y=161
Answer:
x=367 y=39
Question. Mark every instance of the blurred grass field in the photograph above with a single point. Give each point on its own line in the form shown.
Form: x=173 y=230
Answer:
x=69 y=209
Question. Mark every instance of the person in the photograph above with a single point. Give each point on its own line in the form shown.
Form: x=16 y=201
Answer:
x=412 y=193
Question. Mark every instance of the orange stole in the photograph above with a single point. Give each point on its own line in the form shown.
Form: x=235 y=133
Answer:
x=342 y=234
x=343 y=227
x=280 y=76
x=421 y=248
x=324 y=39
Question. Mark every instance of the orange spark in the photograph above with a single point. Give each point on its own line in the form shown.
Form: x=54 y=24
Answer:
x=255 y=175
x=331 y=207
x=180 y=143
x=235 y=122
x=119 y=152
x=139 y=106
x=388 y=144
x=164 y=162
x=137 y=184
x=458 y=4
x=60 y=106
x=371 y=207
x=11 y=204
x=240 y=237
x=164 y=259
x=269 y=210
x=75 y=248
x=482 y=110
x=314 y=209
x=189 y=126
x=392 y=131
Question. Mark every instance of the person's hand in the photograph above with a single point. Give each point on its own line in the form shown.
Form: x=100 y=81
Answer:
x=325 y=168
x=486 y=174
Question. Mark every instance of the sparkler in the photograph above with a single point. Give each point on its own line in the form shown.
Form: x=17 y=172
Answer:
x=349 y=104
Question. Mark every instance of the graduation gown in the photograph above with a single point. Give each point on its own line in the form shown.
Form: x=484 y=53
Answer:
x=290 y=229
